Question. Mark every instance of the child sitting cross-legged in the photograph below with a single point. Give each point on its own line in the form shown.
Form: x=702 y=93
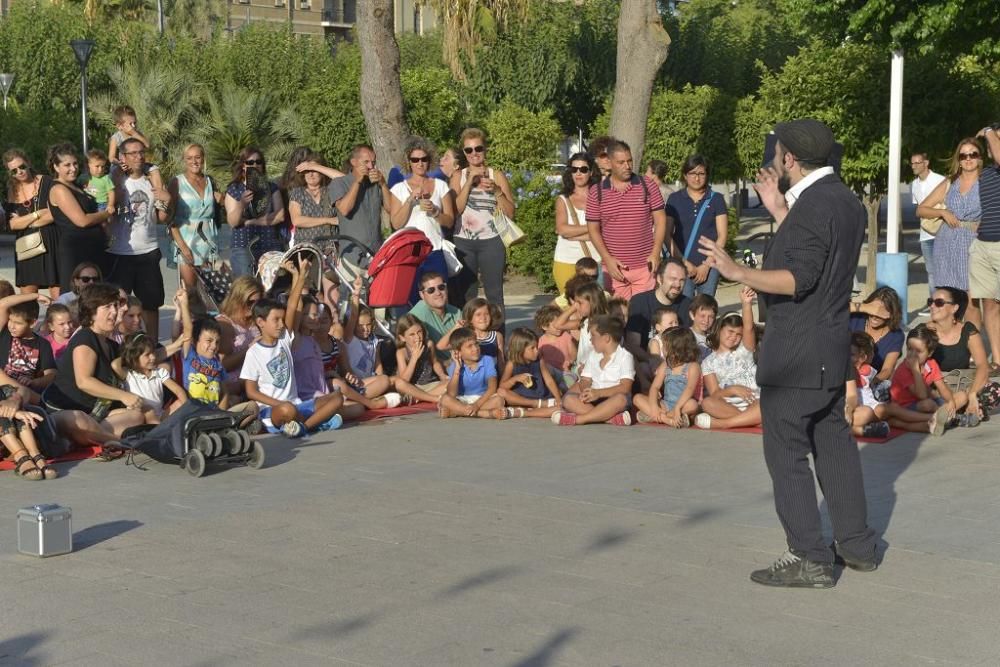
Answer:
x=26 y=359
x=913 y=406
x=663 y=319
x=557 y=347
x=672 y=398
x=364 y=360
x=703 y=310
x=864 y=412
x=472 y=379
x=145 y=378
x=604 y=391
x=527 y=384
x=419 y=374
x=18 y=438
x=268 y=369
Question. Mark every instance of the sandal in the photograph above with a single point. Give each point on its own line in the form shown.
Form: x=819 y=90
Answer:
x=33 y=475
x=48 y=472
x=111 y=450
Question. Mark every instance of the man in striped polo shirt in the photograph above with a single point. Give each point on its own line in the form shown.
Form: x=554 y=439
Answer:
x=628 y=223
x=984 y=255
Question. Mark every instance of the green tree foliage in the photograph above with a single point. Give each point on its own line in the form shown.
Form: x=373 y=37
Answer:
x=521 y=139
x=419 y=51
x=432 y=105
x=196 y=18
x=331 y=112
x=692 y=120
x=536 y=216
x=34 y=130
x=728 y=45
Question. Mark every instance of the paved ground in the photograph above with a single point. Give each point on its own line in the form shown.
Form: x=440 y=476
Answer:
x=421 y=542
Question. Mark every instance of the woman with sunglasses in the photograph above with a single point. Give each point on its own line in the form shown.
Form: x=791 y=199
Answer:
x=254 y=210
x=80 y=225
x=194 y=235
x=85 y=273
x=480 y=192
x=27 y=209
x=86 y=399
x=958 y=342
x=423 y=202
x=573 y=242
x=881 y=317
x=960 y=196
x=238 y=329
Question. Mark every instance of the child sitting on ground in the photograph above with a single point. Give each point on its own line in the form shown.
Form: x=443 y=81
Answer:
x=268 y=369
x=703 y=310
x=26 y=358
x=864 y=412
x=18 y=438
x=59 y=327
x=420 y=375
x=604 y=392
x=558 y=348
x=588 y=302
x=673 y=395
x=472 y=379
x=527 y=383
x=363 y=348
x=479 y=315
x=913 y=406
x=730 y=372
x=138 y=366
x=663 y=319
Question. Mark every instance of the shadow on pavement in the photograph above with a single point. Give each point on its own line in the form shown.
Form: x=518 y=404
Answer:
x=546 y=654
x=484 y=578
x=610 y=538
x=13 y=651
x=338 y=628
x=883 y=465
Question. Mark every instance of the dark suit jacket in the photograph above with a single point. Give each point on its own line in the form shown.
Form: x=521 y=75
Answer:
x=807 y=342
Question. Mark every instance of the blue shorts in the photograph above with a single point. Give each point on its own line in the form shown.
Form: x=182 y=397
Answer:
x=306 y=410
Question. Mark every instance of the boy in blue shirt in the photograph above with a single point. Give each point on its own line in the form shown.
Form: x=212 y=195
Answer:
x=472 y=380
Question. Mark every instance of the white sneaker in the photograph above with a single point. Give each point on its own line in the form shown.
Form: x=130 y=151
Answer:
x=293 y=429
x=703 y=420
x=392 y=399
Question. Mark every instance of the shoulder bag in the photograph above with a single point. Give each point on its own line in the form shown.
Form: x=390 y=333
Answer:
x=697 y=223
x=507 y=229
x=31 y=244
x=933 y=225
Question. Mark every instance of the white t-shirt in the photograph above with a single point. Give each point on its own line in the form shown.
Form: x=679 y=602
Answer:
x=420 y=220
x=570 y=251
x=149 y=388
x=272 y=368
x=919 y=190
x=584 y=349
x=732 y=368
x=133 y=232
x=620 y=367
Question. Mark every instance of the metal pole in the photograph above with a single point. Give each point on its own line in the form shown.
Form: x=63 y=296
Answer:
x=895 y=151
x=83 y=104
x=159 y=16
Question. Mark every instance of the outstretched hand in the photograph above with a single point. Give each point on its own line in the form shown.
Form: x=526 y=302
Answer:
x=769 y=193
x=717 y=257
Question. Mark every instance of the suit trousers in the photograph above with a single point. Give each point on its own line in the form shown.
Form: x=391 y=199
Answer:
x=798 y=422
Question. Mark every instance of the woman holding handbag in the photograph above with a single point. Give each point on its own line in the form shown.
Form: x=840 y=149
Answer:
x=695 y=211
x=480 y=193
x=27 y=208
x=573 y=243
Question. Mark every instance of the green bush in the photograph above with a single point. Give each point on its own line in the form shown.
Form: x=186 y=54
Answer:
x=34 y=130
x=535 y=198
x=330 y=114
x=521 y=139
x=430 y=98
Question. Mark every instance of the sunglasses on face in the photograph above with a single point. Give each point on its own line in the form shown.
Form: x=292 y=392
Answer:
x=939 y=303
x=87 y=279
x=432 y=289
x=469 y=150
x=414 y=159
x=969 y=156
x=18 y=168
x=253 y=163
x=579 y=170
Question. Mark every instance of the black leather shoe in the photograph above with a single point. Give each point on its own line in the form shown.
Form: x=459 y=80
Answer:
x=869 y=565
x=793 y=571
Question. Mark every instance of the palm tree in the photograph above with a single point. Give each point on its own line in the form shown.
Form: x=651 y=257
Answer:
x=466 y=24
x=238 y=118
x=195 y=17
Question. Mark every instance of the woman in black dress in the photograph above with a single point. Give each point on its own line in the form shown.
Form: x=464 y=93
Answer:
x=81 y=234
x=27 y=207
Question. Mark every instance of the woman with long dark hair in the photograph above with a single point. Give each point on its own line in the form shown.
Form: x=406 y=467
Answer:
x=254 y=210
x=573 y=243
x=27 y=208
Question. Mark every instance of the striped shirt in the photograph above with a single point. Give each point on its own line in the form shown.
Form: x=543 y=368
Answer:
x=989 y=201
x=626 y=218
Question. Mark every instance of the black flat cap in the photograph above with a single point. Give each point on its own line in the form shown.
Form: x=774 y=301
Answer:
x=807 y=139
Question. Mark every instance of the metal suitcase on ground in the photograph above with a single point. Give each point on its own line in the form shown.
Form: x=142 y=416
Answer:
x=45 y=530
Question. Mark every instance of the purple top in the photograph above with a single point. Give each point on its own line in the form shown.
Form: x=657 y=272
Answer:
x=309 y=376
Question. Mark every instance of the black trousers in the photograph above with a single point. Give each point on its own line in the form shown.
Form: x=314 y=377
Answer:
x=799 y=422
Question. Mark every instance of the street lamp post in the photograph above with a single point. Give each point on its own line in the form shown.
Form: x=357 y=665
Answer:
x=82 y=48
x=6 y=81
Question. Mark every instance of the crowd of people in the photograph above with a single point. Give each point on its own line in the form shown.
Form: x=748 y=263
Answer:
x=634 y=335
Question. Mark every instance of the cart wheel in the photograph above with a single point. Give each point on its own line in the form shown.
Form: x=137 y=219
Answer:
x=203 y=444
x=216 y=444
x=245 y=442
x=233 y=442
x=194 y=462
x=256 y=459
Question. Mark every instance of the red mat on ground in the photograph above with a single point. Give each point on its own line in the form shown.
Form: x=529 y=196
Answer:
x=757 y=430
x=75 y=454
x=401 y=411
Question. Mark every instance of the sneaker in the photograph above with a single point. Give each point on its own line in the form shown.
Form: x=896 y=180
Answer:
x=621 y=419
x=875 y=430
x=968 y=420
x=939 y=422
x=293 y=429
x=563 y=418
x=255 y=427
x=703 y=420
x=642 y=418
x=392 y=399
x=869 y=565
x=331 y=424
x=793 y=571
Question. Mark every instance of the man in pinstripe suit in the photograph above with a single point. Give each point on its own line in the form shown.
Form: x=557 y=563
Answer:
x=804 y=360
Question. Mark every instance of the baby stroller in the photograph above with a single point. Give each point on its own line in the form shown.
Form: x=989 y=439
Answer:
x=275 y=279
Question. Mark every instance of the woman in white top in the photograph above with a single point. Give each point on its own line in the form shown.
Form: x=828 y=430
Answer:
x=573 y=243
x=424 y=203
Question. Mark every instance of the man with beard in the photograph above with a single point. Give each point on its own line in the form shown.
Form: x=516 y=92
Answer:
x=805 y=355
x=668 y=293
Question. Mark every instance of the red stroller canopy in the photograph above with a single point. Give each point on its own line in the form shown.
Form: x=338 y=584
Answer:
x=394 y=268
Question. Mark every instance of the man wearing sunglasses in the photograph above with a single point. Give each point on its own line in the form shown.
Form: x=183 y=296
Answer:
x=433 y=309
x=360 y=197
x=806 y=284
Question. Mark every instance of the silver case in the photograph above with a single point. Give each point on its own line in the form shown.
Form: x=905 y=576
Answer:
x=45 y=530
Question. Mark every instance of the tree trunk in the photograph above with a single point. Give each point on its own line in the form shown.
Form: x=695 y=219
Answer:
x=381 y=94
x=872 y=204
x=642 y=49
